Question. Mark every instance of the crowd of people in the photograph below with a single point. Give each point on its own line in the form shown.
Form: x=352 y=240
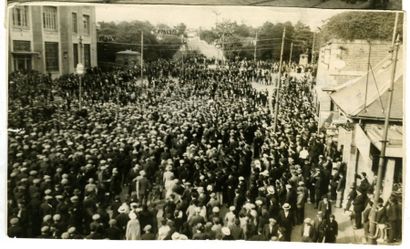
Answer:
x=192 y=154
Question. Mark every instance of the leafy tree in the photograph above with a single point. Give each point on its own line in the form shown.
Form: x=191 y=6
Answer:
x=126 y=35
x=360 y=25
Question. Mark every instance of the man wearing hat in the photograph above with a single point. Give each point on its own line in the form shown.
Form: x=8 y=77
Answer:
x=286 y=220
x=230 y=217
x=122 y=218
x=270 y=229
x=45 y=233
x=143 y=186
x=359 y=204
x=237 y=231
x=148 y=235
x=319 y=226
x=113 y=231
x=226 y=233
x=15 y=230
x=325 y=207
x=307 y=230
x=198 y=232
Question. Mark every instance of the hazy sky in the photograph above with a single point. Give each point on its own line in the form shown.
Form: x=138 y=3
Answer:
x=204 y=16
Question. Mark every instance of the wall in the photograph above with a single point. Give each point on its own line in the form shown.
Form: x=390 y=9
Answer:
x=64 y=36
x=340 y=62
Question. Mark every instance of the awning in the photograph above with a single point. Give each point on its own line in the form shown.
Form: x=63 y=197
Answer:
x=129 y=52
x=25 y=52
x=350 y=97
x=394 y=136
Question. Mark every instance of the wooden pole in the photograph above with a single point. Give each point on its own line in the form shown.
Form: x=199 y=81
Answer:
x=142 y=57
x=279 y=81
x=291 y=53
x=384 y=141
x=256 y=41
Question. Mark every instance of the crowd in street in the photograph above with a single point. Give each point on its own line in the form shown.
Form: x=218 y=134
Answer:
x=193 y=154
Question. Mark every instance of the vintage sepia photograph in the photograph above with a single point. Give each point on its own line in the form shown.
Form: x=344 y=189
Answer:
x=331 y=4
x=176 y=122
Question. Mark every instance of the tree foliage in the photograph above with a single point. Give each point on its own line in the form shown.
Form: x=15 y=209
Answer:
x=239 y=39
x=360 y=25
x=127 y=35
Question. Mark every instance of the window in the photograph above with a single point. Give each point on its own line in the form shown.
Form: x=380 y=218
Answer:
x=51 y=49
x=87 y=56
x=20 y=16
x=22 y=46
x=75 y=25
x=50 y=18
x=22 y=62
x=75 y=54
x=86 y=24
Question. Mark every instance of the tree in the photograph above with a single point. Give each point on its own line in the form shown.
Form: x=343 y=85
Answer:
x=126 y=35
x=360 y=25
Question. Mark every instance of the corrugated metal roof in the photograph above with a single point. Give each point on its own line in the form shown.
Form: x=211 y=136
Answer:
x=350 y=97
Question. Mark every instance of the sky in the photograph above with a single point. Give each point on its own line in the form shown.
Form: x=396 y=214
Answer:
x=206 y=17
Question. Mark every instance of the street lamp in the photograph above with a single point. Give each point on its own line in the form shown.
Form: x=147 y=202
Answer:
x=80 y=71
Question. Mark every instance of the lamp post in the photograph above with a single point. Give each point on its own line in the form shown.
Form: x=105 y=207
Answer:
x=80 y=72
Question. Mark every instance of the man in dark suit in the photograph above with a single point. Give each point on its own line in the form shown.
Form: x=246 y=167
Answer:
x=286 y=220
x=114 y=232
x=359 y=204
x=237 y=231
x=332 y=230
x=148 y=235
x=270 y=229
x=325 y=207
x=15 y=230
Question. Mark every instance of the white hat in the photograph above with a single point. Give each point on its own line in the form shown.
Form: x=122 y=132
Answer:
x=272 y=220
x=96 y=216
x=232 y=208
x=286 y=206
x=215 y=209
x=56 y=217
x=175 y=236
x=122 y=209
x=147 y=228
x=226 y=231
x=241 y=178
x=270 y=190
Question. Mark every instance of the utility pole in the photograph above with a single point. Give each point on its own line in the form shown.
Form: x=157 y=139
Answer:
x=291 y=52
x=313 y=48
x=223 y=47
x=142 y=58
x=382 y=159
x=279 y=81
x=183 y=62
x=367 y=75
x=256 y=41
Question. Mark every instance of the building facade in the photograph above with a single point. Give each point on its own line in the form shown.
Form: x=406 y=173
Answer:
x=51 y=39
x=340 y=62
x=361 y=104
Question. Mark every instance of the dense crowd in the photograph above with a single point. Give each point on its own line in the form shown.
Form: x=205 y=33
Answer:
x=193 y=154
